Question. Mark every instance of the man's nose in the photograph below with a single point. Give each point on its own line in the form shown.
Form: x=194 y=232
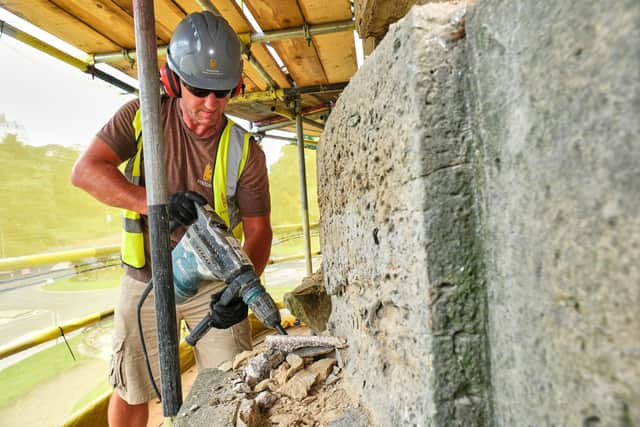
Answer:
x=212 y=102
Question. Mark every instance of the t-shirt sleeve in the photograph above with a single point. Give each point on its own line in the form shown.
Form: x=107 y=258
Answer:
x=118 y=132
x=253 y=187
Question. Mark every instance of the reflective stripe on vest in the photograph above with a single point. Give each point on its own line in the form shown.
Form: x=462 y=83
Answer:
x=233 y=150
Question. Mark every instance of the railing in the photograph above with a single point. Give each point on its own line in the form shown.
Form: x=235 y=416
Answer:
x=16 y=263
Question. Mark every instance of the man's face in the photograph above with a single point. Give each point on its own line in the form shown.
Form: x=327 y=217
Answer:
x=203 y=110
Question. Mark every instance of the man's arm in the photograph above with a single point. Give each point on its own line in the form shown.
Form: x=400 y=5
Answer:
x=96 y=171
x=257 y=240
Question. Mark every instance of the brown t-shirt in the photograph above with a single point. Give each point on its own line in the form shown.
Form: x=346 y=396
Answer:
x=189 y=163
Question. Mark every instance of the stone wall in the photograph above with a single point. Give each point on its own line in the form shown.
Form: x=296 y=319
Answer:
x=399 y=254
x=480 y=217
x=556 y=94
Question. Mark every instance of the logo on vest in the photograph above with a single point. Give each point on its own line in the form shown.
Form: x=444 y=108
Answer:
x=206 y=176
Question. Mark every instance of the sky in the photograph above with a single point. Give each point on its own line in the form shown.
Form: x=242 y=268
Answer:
x=55 y=102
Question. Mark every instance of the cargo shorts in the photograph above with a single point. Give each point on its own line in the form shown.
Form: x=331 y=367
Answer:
x=128 y=372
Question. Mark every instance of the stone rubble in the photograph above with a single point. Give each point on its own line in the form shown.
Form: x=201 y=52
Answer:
x=274 y=386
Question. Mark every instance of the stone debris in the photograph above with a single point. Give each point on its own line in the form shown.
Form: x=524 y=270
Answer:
x=265 y=400
x=298 y=386
x=296 y=364
x=248 y=413
x=288 y=343
x=273 y=386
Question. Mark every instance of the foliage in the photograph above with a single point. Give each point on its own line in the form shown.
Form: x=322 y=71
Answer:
x=285 y=187
x=41 y=211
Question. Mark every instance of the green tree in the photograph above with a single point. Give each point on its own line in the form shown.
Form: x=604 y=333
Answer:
x=285 y=187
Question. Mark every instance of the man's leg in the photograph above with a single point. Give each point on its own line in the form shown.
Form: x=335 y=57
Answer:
x=132 y=388
x=121 y=414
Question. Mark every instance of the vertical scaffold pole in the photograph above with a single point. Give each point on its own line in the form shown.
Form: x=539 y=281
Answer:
x=156 y=185
x=303 y=187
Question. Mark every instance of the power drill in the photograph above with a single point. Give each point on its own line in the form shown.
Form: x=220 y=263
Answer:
x=208 y=251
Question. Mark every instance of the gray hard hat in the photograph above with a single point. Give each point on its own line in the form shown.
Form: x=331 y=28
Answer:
x=205 y=52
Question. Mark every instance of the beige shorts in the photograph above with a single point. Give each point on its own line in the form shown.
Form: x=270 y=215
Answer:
x=128 y=374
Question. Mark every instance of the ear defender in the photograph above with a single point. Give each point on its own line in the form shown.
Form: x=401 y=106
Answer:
x=170 y=81
x=239 y=89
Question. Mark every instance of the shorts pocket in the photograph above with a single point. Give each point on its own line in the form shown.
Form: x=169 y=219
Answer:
x=116 y=369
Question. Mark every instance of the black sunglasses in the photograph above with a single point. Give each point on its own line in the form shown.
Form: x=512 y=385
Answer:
x=203 y=93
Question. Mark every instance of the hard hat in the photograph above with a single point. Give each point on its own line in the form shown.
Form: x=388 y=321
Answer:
x=205 y=52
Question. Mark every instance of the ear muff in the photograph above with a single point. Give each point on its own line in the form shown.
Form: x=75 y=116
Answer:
x=239 y=89
x=170 y=81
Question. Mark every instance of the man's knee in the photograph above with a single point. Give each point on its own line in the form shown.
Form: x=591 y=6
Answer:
x=122 y=413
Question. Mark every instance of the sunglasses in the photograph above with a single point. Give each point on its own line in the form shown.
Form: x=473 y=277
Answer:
x=203 y=93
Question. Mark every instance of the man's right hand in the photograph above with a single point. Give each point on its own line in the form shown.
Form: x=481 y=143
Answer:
x=182 y=208
x=225 y=316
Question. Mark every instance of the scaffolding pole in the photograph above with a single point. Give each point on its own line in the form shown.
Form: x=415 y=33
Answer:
x=156 y=186
x=303 y=188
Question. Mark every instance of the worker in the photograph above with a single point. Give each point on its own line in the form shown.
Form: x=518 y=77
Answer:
x=202 y=73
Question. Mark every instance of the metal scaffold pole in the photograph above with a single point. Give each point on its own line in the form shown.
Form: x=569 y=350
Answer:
x=156 y=185
x=303 y=188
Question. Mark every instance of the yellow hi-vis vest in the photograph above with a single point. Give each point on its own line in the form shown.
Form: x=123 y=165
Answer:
x=232 y=153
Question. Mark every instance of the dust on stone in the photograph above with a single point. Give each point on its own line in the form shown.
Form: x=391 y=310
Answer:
x=286 y=381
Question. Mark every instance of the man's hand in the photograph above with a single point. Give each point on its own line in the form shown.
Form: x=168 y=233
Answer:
x=182 y=208
x=225 y=316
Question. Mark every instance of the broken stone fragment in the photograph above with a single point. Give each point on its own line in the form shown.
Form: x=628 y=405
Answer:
x=322 y=368
x=298 y=386
x=257 y=369
x=242 y=357
x=279 y=375
x=263 y=385
x=296 y=364
x=265 y=400
x=310 y=302
x=248 y=414
x=290 y=343
x=306 y=352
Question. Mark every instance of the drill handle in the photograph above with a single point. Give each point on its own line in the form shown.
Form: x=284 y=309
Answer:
x=198 y=332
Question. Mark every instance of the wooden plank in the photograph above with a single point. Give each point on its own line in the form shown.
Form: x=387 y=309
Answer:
x=301 y=60
x=337 y=52
x=61 y=24
x=318 y=12
x=168 y=14
x=162 y=31
x=105 y=17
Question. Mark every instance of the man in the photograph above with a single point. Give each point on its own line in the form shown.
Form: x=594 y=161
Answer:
x=201 y=144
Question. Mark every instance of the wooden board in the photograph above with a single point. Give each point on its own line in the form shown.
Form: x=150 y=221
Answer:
x=337 y=52
x=61 y=24
x=105 y=17
x=301 y=59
